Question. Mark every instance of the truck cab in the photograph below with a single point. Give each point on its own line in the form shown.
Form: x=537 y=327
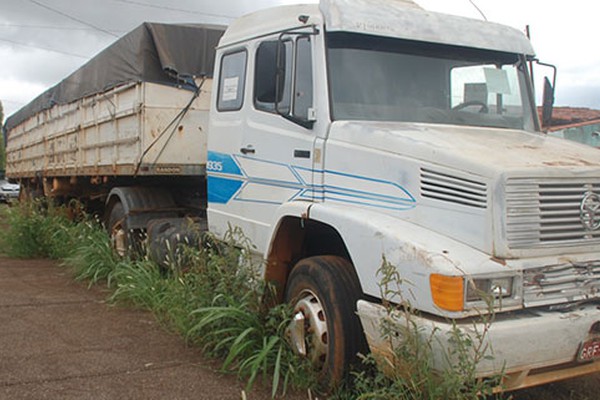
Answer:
x=351 y=133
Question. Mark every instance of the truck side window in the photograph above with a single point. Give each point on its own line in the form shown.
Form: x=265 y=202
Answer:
x=232 y=79
x=289 y=91
x=266 y=77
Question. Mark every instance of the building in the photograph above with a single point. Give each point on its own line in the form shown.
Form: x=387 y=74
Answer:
x=577 y=124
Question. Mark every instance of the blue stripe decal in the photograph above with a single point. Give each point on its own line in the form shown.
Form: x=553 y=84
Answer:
x=221 y=190
x=227 y=181
x=366 y=195
x=223 y=163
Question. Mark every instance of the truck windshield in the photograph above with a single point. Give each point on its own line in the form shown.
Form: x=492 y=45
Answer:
x=381 y=79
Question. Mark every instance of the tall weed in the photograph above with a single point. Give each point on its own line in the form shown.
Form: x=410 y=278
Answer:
x=408 y=372
x=39 y=229
x=92 y=257
x=139 y=282
x=230 y=319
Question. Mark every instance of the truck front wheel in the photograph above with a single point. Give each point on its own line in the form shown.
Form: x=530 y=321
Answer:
x=325 y=328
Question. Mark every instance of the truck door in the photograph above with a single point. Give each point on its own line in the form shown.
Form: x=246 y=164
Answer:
x=261 y=142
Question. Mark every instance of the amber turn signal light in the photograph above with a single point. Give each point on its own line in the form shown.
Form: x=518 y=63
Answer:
x=447 y=292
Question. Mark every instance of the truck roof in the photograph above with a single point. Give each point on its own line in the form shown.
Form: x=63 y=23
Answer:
x=153 y=52
x=391 y=18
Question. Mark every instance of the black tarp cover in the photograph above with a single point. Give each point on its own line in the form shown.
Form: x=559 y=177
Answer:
x=152 y=52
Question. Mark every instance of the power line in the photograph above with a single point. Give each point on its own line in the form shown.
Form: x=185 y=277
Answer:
x=60 y=28
x=72 y=18
x=44 y=48
x=142 y=4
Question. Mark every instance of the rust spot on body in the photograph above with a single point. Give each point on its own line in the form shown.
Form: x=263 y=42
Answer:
x=498 y=260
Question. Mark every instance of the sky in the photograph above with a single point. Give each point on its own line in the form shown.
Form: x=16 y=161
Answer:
x=43 y=41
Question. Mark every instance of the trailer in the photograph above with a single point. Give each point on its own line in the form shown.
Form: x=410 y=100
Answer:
x=135 y=115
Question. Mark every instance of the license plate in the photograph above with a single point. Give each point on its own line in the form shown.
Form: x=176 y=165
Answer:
x=589 y=350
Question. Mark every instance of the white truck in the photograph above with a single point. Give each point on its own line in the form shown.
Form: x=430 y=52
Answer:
x=343 y=134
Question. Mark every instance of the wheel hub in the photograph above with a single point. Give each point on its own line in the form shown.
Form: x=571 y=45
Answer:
x=308 y=329
x=119 y=240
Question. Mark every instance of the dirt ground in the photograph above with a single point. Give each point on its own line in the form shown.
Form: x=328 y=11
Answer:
x=59 y=339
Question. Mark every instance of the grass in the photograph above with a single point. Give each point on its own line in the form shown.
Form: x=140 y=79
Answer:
x=39 y=229
x=91 y=257
x=410 y=373
x=214 y=297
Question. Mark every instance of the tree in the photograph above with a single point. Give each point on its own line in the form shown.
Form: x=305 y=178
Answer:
x=2 y=150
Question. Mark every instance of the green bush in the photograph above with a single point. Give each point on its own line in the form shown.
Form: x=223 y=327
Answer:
x=409 y=373
x=39 y=229
x=92 y=257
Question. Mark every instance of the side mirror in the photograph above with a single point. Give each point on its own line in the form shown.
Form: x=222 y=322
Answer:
x=283 y=76
x=548 y=95
x=270 y=72
x=548 y=103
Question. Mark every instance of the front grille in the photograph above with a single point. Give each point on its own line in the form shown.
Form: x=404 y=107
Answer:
x=547 y=212
x=561 y=283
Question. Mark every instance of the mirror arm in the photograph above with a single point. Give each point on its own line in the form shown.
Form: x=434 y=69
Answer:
x=551 y=66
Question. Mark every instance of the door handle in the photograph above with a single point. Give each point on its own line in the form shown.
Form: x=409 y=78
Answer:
x=247 y=150
x=301 y=153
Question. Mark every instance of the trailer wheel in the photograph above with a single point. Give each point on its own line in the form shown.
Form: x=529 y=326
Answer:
x=325 y=328
x=118 y=230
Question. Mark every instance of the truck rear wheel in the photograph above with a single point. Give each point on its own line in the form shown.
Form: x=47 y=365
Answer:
x=325 y=328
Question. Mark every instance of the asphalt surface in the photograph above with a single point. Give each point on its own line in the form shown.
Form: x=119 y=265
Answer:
x=60 y=340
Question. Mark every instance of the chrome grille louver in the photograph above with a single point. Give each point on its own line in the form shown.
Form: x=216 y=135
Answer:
x=453 y=189
x=547 y=212
x=561 y=283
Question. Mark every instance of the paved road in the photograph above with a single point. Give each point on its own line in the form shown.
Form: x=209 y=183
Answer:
x=59 y=340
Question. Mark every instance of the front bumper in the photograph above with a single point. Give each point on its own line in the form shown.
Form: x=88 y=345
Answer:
x=528 y=347
x=9 y=196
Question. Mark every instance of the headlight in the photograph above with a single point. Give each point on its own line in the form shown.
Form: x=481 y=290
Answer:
x=459 y=293
x=489 y=288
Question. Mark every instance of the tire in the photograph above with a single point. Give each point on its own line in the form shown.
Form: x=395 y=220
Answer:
x=323 y=291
